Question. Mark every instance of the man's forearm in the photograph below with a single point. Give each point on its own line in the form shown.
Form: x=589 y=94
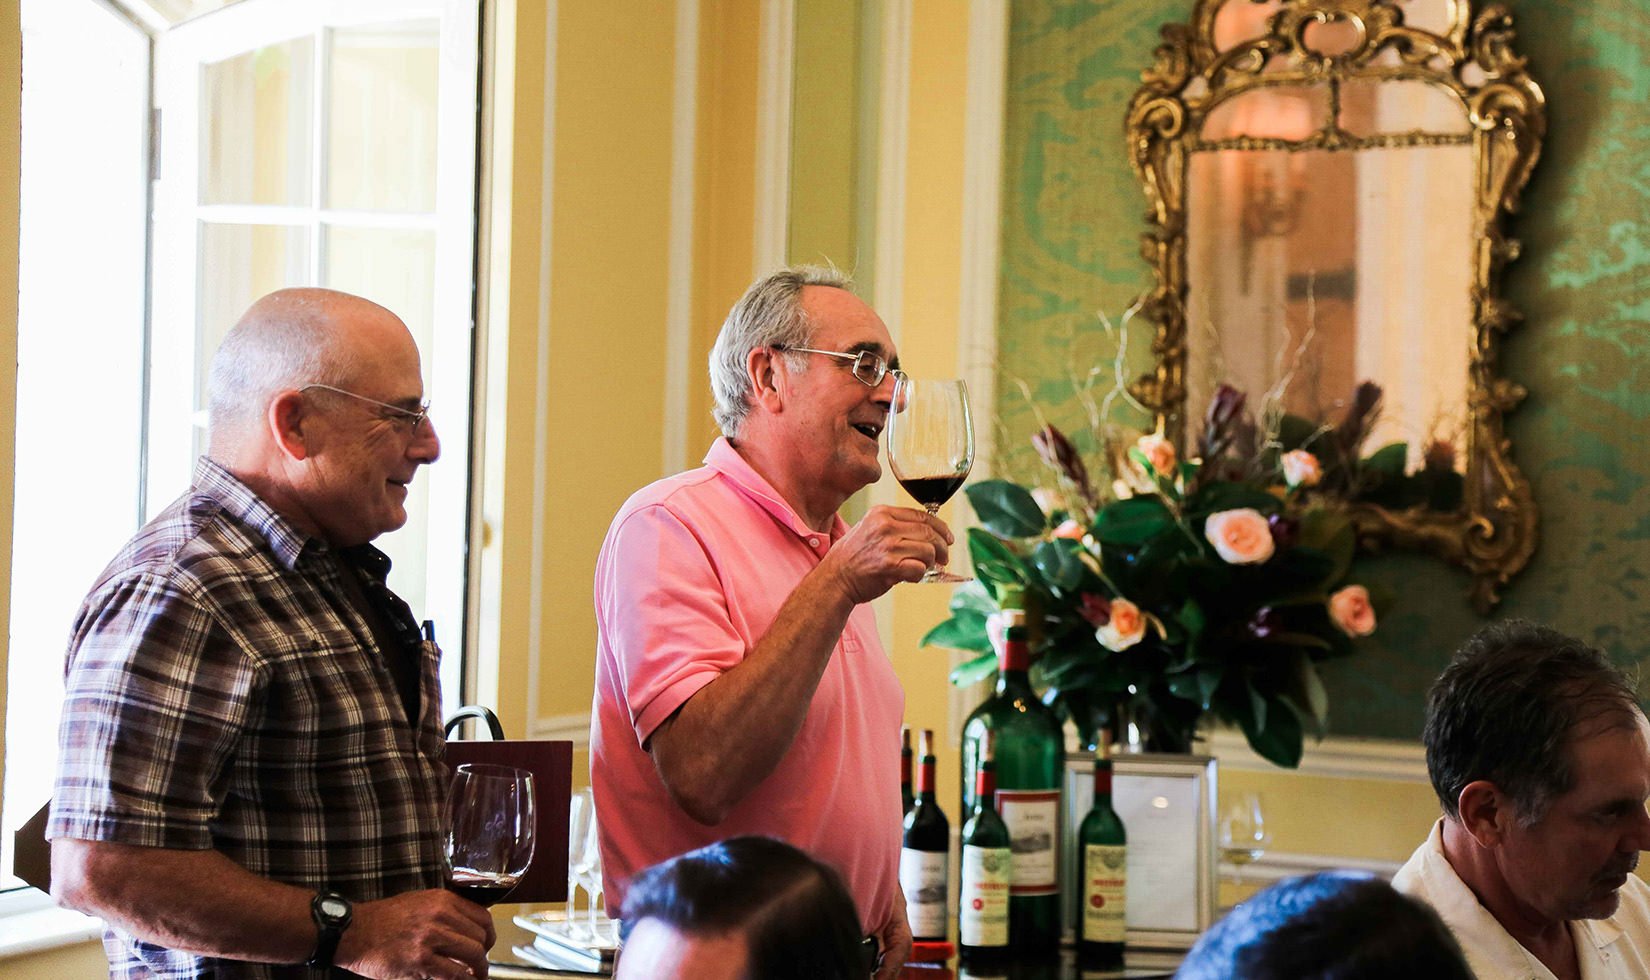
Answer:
x=732 y=734
x=197 y=901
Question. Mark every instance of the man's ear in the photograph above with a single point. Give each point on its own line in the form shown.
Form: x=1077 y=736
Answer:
x=286 y=419
x=767 y=384
x=1487 y=814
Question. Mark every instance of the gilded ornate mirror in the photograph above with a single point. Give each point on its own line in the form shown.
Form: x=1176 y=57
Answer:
x=1328 y=182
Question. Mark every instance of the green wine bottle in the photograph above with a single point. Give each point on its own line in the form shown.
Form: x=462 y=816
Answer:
x=924 y=856
x=1104 y=846
x=1030 y=762
x=987 y=862
x=905 y=767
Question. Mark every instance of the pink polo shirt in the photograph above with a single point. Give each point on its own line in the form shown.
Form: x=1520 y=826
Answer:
x=691 y=576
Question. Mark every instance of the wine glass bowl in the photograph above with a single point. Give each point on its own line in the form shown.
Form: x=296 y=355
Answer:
x=1243 y=833
x=491 y=830
x=931 y=445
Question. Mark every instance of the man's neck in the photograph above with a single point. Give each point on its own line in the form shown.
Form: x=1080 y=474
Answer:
x=1548 y=940
x=816 y=507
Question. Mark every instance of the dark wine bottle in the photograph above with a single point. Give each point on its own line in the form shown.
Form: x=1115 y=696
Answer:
x=905 y=767
x=1030 y=763
x=925 y=855
x=1103 y=844
x=986 y=874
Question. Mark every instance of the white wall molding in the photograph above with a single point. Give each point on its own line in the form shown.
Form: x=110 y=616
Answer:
x=893 y=136
x=679 y=268
x=775 y=67
x=1342 y=758
x=573 y=728
x=1276 y=866
x=541 y=369
x=985 y=106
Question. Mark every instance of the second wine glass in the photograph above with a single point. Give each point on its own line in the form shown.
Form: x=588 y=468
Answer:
x=492 y=820
x=931 y=445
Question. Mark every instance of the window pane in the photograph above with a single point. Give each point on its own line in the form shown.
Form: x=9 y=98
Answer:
x=256 y=112
x=395 y=269
x=381 y=106
x=240 y=263
x=79 y=378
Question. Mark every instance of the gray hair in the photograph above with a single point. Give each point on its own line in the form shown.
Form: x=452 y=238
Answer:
x=1509 y=707
x=285 y=340
x=770 y=314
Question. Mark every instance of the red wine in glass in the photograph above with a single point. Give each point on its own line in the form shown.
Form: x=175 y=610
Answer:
x=491 y=823
x=931 y=445
x=480 y=887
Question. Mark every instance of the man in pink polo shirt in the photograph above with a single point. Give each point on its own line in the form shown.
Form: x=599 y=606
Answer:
x=740 y=684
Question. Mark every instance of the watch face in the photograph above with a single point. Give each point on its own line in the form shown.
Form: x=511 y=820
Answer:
x=334 y=908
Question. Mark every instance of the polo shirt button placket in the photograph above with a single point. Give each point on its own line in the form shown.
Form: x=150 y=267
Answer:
x=813 y=542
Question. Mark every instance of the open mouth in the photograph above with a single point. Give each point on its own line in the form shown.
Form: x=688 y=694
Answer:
x=869 y=430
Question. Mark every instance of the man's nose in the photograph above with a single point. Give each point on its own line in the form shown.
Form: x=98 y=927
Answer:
x=426 y=445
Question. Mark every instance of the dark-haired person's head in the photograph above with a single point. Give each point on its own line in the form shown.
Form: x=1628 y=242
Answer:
x=1334 y=925
x=747 y=908
x=1540 y=753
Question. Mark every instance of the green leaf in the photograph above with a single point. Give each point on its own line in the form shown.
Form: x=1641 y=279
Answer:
x=974 y=670
x=1332 y=534
x=1389 y=460
x=1317 y=697
x=1232 y=496
x=1133 y=521
x=1058 y=562
x=995 y=563
x=1280 y=740
x=1006 y=509
x=972 y=596
x=963 y=631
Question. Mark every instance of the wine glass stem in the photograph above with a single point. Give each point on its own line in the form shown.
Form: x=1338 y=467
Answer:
x=934 y=568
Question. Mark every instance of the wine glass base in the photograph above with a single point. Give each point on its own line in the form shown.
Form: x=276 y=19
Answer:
x=941 y=575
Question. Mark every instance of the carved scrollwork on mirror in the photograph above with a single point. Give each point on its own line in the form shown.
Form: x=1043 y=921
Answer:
x=1328 y=184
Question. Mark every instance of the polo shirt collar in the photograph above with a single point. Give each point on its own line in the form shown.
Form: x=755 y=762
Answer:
x=725 y=460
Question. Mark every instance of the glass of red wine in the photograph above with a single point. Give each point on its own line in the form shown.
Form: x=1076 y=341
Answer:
x=931 y=445
x=491 y=819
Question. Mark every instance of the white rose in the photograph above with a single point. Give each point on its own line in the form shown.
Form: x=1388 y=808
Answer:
x=1240 y=537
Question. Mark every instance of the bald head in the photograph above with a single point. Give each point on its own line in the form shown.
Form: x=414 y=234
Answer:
x=288 y=339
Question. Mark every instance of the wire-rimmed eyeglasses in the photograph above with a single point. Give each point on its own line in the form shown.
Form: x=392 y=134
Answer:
x=414 y=419
x=869 y=366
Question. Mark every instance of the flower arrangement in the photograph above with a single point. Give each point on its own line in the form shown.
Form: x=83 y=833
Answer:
x=1212 y=586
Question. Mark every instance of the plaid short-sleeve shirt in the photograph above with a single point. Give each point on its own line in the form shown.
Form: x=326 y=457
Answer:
x=224 y=693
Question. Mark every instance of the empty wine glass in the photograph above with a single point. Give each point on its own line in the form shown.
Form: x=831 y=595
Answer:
x=593 y=877
x=581 y=814
x=491 y=830
x=931 y=445
x=1243 y=833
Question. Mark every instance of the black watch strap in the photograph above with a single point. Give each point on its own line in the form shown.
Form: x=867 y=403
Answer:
x=332 y=913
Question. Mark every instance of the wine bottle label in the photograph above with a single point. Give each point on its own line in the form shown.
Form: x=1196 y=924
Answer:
x=982 y=918
x=922 y=878
x=1033 y=819
x=1104 y=878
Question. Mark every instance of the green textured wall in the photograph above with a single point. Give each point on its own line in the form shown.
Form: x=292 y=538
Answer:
x=1073 y=214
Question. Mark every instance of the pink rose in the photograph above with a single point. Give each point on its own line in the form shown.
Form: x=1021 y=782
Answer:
x=1070 y=529
x=1240 y=537
x=1301 y=469
x=1159 y=452
x=996 y=630
x=1351 y=611
x=1124 y=629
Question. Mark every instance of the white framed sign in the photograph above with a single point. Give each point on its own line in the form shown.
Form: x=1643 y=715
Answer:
x=1167 y=804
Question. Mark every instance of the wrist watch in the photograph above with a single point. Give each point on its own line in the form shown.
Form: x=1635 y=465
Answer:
x=332 y=913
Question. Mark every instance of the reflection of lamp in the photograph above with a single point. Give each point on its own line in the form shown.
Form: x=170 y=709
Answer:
x=1270 y=208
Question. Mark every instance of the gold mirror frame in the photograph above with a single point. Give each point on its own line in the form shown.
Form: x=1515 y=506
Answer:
x=1494 y=535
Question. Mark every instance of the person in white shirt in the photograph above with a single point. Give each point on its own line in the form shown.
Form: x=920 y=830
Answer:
x=1540 y=755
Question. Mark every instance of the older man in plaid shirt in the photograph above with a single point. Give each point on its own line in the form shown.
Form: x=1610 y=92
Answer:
x=251 y=780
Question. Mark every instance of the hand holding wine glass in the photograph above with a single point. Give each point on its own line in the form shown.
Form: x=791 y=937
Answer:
x=491 y=823
x=931 y=445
